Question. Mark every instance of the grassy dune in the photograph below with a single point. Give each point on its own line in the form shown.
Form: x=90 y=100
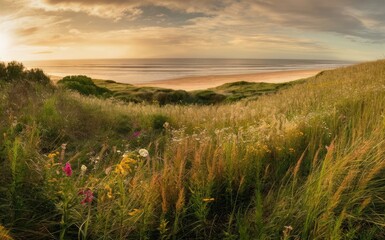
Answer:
x=225 y=93
x=304 y=163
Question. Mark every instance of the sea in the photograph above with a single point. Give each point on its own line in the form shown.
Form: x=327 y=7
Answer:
x=146 y=70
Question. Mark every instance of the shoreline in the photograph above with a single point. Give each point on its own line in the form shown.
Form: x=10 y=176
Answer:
x=206 y=82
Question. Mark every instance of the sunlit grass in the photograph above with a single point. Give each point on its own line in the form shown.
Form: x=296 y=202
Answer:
x=304 y=163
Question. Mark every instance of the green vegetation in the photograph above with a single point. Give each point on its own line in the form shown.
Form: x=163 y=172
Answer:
x=84 y=85
x=249 y=90
x=15 y=71
x=226 y=93
x=304 y=163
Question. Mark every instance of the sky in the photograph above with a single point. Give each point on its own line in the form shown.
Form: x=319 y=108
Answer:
x=289 y=29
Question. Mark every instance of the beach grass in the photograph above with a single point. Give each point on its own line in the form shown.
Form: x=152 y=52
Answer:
x=226 y=93
x=306 y=162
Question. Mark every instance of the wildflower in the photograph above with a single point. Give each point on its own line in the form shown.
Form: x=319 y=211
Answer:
x=208 y=199
x=63 y=149
x=67 y=169
x=143 y=152
x=166 y=125
x=134 y=212
x=123 y=168
x=290 y=228
x=286 y=231
x=52 y=156
x=107 y=170
x=136 y=134
x=291 y=150
x=83 y=169
x=88 y=196
x=109 y=191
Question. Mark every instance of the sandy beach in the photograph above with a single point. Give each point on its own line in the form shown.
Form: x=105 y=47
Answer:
x=204 y=82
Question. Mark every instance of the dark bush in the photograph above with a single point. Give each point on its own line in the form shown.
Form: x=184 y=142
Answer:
x=208 y=97
x=180 y=96
x=172 y=97
x=15 y=71
x=3 y=71
x=161 y=98
x=37 y=75
x=158 y=121
x=110 y=81
x=144 y=96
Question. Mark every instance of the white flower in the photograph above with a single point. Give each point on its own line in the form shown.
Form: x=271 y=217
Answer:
x=83 y=169
x=108 y=170
x=143 y=152
x=166 y=125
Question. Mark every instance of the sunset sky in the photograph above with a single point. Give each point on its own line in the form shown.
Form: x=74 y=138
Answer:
x=306 y=29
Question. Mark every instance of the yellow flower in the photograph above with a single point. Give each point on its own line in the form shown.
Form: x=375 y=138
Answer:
x=120 y=169
x=134 y=212
x=109 y=191
x=208 y=199
x=123 y=168
x=128 y=160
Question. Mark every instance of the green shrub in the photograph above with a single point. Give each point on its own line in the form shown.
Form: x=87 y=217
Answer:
x=208 y=97
x=15 y=71
x=158 y=121
x=123 y=124
x=37 y=75
x=3 y=71
x=84 y=85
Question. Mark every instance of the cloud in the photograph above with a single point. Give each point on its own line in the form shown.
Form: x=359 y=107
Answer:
x=111 y=10
x=197 y=26
x=23 y=32
x=124 y=9
x=355 y=18
x=43 y=52
x=346 y=17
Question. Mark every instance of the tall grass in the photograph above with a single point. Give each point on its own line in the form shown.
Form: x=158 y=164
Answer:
x=305 y=163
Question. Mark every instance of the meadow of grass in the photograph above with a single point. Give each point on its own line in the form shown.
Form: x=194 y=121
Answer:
x=304 y=163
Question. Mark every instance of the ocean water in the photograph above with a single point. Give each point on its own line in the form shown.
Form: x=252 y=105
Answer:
x=146 y=70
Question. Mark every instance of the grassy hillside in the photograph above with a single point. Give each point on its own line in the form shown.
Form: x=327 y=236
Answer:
x=226 y=93
x=304 y=163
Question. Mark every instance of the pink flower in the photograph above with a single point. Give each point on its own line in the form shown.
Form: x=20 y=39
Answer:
x=88 y=196
x=67 y=169
x=136 y=134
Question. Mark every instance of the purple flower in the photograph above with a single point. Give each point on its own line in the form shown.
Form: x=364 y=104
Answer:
x=136 y=134
x=67 y=169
